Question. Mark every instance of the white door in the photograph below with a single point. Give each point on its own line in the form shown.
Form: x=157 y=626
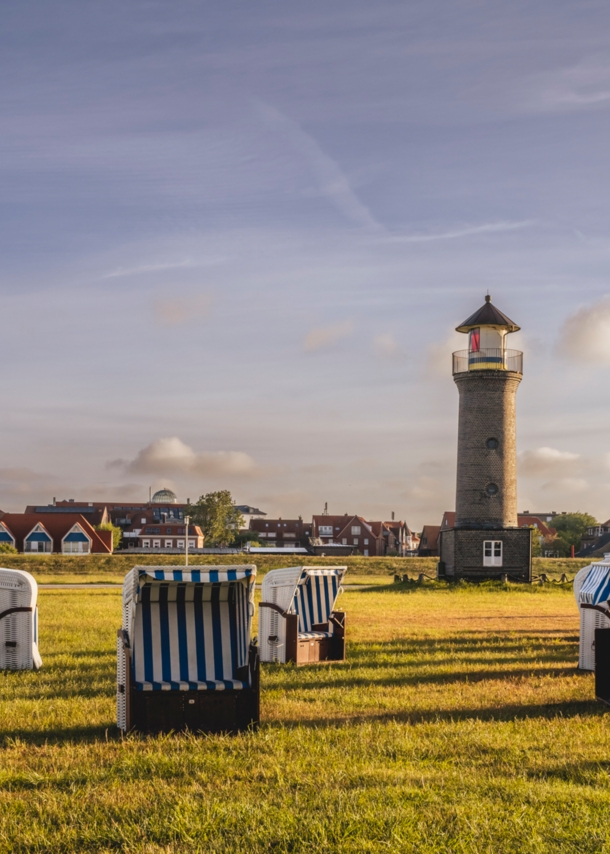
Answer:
x=492 y=553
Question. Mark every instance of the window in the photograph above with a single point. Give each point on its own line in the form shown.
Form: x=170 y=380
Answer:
x=156 y=544
x=344 y=541
x=355 y=541
x=168 y=544
x=142 y=521
x=168 y=530
x=180 y=544
x=192 y=544
x=475 y=340
x=492 y=489
x=366 y=552
x=326 y=530
x=356 y=530
x=492 y=553
x=492 y=444
x=145 y=544
x=76 y=548
x=366 y=542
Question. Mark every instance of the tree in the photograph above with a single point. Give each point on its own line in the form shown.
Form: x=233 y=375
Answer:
x=536 y=544
x=117 y=533
x=7 y=548
x=571 y=527
x=217 y=516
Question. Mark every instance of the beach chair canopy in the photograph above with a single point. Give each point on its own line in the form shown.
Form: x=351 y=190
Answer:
x=592 y=584
x=308 y=591
x=189 y=629
x=18 y=621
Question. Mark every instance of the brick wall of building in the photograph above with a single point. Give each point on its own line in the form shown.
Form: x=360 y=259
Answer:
x=461 y=553
x=487 y=411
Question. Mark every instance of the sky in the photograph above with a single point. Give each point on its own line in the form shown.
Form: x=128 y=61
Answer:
x=236 y=239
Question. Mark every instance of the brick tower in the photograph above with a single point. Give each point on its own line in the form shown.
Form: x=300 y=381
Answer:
x=486 y=541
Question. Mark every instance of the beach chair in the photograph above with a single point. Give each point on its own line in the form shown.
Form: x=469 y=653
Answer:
x=592 y=591
x=297 y=620
x=18 y=621
x=185 y=658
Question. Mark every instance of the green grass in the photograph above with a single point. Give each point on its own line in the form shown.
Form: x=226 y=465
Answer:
x=458 y=724
x=48 y=569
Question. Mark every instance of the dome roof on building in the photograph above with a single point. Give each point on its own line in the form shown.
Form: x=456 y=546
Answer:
x=165 y=496
x=488 y=315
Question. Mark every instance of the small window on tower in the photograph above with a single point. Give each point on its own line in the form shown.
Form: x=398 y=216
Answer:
x=492 y=444
x=492 y=489
x=475 y=340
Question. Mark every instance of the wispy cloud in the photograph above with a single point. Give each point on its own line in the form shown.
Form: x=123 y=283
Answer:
x=178 y=310
x=586 y=84
x=147 y=268
x=585 y=335
x=322 y=337
x=385 y=346
x=466 y=231
x=332 y=182
x=548 y=461
x=171 y=456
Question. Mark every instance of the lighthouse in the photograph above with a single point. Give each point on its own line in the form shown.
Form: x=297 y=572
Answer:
x=486 y=541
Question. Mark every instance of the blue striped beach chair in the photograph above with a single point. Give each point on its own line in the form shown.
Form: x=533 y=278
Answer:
x=18 y=621
x=185 y=659
x=297 y=620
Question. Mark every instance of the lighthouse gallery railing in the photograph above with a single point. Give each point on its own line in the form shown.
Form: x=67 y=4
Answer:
x=487 y=360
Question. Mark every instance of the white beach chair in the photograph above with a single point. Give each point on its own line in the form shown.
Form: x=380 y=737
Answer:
x=185 y=658
x=18 y=621
x=592 y=592
x=297 y=620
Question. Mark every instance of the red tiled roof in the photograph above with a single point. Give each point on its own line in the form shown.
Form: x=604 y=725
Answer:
x=57 y=526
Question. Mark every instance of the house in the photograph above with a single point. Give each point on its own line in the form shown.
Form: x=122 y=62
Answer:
x=428 y=544
x=62 y=533
x=281 y=533
x=595 y=540
x=249 y=514
x=169 y=535
x=370 y=539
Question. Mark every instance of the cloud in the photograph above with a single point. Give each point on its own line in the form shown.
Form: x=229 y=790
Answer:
x=467 y=231
x=566 y=485
x=322 y=337
x=438 y=363
x=171 y=456
x=585 y=335
x=332 y=181
x=548 y=461
x=176 y=310
x=386 y=347
x=146 y=268
x=585 y=84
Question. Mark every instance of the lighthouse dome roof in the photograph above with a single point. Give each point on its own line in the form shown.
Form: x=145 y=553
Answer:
x=488 y=315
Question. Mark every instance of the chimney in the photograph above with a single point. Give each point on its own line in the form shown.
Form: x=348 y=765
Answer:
x=54 y=501
x=392 y=515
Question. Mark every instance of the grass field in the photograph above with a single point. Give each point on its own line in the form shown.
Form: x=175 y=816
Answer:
x=458 y=724
x=49 y=569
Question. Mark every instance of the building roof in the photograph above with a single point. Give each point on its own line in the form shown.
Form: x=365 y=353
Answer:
x=251 y=511
x=487 y=315
x=57 y=526
x=285 y=526
x=429 y=536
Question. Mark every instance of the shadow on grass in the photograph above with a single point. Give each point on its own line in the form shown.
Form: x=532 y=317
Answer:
x=509 y=712
x=55 y=735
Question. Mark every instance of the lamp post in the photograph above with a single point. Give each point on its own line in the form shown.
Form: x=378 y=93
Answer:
x=187 y=520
